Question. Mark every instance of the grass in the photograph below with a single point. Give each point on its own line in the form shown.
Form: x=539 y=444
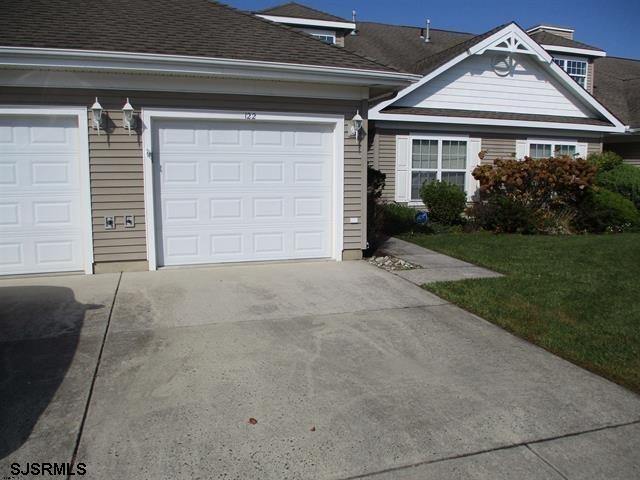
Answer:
x=576 y=296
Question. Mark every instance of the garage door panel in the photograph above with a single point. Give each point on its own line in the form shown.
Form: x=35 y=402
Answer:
x=40 y=200
x=242 y=192
x=260 y=207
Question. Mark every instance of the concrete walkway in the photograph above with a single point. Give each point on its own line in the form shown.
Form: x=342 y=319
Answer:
x=436 y=267
x=349 y=371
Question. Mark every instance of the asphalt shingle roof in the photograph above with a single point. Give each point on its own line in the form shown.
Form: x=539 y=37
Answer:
x=617 y=86
x=295 y=10
x=201 y=28
x=400 y=46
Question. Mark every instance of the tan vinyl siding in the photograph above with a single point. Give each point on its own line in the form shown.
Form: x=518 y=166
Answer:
x=115 y=157
x=594 y=147
x=590 y=67
x=497 y=146
x=386 y=159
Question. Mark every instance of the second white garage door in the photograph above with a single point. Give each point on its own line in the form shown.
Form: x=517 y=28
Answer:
x=242 y=191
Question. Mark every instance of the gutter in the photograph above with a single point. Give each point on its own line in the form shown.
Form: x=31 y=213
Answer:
x=131 y=62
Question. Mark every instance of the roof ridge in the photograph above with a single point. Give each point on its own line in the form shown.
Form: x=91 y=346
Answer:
x=470 y=41
x=305 y=35
x=303 y=6
x=416 y=27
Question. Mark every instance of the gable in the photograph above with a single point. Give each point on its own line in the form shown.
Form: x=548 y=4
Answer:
x=502 y=73
x=474 y=84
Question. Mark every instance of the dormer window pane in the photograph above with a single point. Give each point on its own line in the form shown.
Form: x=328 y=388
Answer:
x=329 y=39
x=577 y=69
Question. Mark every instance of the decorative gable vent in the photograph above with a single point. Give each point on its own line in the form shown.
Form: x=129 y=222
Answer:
x=511 y=42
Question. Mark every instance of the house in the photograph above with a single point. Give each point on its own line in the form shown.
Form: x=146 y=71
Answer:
x=502 y=94
x=178 y=133
x=617 y=85
x=193 y=133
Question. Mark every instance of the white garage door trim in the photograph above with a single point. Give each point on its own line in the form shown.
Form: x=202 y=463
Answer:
x=83 y=152
x=337 y=121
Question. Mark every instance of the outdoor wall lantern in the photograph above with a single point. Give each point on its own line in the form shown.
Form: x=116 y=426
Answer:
x=356 y=125
x=128 y=120
x=96 y=111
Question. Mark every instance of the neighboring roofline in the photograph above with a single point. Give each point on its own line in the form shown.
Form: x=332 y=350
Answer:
x=574 y=50
x=492 y=122
x=308 y=22
x=540 y=53
x=131 y=62
x=535 y=28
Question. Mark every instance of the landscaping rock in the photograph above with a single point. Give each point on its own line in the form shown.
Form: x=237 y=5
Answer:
x=392 y=264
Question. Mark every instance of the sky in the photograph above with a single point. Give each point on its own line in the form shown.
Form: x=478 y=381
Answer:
x=609 y=24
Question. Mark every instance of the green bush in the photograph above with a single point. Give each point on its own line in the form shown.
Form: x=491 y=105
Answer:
x=503 y=214
x=605 y=211
x=398 y=218
x=605 y=160
x=445 y=202
x=623 y=179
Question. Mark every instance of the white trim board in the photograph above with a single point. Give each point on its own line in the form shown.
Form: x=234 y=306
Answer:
x=149 y=114
x=83 y=151
x=493 y=122
x=574 y=50
x=309 y=22
x=134 y=62
x=535 y=50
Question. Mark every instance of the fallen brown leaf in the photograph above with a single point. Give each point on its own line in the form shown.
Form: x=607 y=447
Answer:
x=253 y=421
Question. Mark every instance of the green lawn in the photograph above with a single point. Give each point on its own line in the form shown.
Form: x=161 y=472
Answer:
x=576 y=296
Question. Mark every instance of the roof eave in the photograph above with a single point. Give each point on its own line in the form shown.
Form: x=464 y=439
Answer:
x=574 y=50
x=381 y=116
x=136 y=62
x=309 y=22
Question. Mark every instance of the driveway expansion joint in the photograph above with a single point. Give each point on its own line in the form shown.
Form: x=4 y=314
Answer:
x=94 y=377
x=547 y=462
x=495 y=449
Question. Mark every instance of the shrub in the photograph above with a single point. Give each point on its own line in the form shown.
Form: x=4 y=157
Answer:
x=503 y=214
x=398 y=218
x=375 y=210
x=605 y=160
x=445 y=202
x=605 y=211
x=623 y=179
x=548 y=183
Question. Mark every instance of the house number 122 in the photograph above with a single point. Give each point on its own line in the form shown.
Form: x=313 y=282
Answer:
x=249 y=116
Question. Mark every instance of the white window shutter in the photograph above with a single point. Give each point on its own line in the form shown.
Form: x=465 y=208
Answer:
x=403 y=180
x=521 y=149
x=582 y=150
x=473 y=160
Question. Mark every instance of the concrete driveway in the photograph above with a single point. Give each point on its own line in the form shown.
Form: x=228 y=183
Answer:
x=349 y=371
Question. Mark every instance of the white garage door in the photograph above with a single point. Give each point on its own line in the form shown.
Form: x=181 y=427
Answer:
x=242 y=191
x=40 y=195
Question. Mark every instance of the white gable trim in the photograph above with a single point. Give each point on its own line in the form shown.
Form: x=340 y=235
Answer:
x=514 y=36
x=494 y=122
x=574 y=50
x=309 y=22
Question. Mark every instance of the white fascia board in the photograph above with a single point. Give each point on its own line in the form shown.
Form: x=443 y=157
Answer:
x=550 y=27
x=562 y=76
x=309 y=22
x=492 y=122
x=88 y=60
x=574 y=51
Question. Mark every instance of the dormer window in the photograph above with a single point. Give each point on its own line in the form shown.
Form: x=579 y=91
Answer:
x=577 y=69
x=327 y=36
x=330 y=39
